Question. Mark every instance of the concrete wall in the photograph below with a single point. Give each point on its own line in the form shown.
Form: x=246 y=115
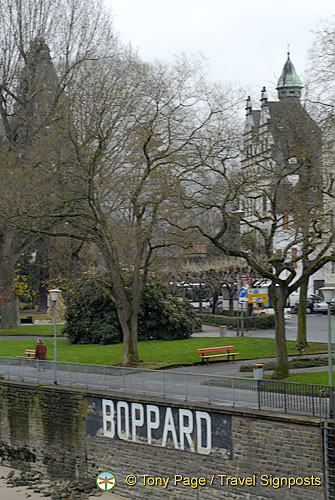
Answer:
x=195 y=451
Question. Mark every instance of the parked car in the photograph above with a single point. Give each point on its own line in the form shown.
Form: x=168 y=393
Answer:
x=314 y=304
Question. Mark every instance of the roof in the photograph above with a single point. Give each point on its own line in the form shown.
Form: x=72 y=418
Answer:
x=289 y=83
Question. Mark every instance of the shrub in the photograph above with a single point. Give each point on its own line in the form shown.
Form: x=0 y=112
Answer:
x=261 y=322
x=91 y=316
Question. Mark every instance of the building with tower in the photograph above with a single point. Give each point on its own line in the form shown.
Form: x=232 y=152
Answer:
x=283 y=155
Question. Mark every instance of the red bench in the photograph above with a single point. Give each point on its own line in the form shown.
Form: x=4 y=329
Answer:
x=223 y=351
x=29 y=354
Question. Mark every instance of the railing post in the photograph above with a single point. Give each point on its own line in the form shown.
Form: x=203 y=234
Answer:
x=209 y=389
x=313 y=402
x=123 y=379
x=331 y=402
x=86 y=376
x=285 y=397
x=164 y=386
x=259 y=394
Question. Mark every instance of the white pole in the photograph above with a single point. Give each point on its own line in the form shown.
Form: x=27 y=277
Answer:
x=55 y=342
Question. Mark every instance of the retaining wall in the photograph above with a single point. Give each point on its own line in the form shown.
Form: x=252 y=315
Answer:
x=171 y=449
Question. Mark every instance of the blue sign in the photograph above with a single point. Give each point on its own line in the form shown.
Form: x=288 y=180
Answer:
x=243 y=292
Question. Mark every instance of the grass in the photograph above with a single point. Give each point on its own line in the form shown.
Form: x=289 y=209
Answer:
x=41 y=316
x=155 y=353
x=158 y=353
x=37 y=330
x=310 y=378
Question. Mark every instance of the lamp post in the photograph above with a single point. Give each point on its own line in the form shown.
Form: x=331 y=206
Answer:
x=328 y=293
x=54 y=297
x=239 y=213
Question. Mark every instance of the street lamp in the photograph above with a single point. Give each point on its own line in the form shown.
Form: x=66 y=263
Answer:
x=328 y=294
x=54 y=297
x=239 y=213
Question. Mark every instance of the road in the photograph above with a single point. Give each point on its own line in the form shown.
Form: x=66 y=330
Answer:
x=317 y=328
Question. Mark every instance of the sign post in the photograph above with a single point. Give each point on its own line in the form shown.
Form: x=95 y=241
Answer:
x=242 y=299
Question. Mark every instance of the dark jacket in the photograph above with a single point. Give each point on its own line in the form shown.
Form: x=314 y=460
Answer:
x=40 y=351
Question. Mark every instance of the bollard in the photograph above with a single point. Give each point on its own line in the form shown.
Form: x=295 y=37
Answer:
x=258 y=372
x=223 y=331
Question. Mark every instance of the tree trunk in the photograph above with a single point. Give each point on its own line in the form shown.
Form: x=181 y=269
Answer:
x=231 y=301
x=201 y=294
x=215 y=303
x=43 y=262
x=302 y=309
x=278 y=300
x=9 y=304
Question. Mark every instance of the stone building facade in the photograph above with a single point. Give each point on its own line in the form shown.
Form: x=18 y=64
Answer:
x=161 y=448
x=283 y=152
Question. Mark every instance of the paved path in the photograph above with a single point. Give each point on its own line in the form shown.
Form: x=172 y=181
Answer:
x=230 y=369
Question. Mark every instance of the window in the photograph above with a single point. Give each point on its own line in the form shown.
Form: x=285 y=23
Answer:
x=285 y=222
x=294 y=255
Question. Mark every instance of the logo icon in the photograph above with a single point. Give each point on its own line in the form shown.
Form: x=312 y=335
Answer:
x=105 y=481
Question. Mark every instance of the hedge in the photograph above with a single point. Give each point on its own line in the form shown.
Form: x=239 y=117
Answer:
x=252 y=322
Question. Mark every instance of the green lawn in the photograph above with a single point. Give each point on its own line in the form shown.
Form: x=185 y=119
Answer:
x=37 y=330
x=310 y=378
x=156 y=353
x=160 y=353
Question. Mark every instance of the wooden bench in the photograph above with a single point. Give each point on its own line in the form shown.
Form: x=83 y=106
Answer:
x=28 y=320
x=29 y=354
x=210 y=352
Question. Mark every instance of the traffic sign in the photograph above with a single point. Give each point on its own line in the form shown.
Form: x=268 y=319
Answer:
x=258 y=295
x=245 y=278
x=242 y=295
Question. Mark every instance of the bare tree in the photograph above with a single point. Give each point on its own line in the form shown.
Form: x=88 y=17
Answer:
x=131 y=133
x=215 y=273
x=279 y=200
x=43 y=46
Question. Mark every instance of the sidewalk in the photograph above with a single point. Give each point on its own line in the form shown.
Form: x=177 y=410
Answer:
x=214 y=331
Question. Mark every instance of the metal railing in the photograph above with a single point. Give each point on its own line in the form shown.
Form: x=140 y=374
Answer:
x=287 y=397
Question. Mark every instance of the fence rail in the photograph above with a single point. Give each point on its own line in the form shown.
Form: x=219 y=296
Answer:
x=287 y=397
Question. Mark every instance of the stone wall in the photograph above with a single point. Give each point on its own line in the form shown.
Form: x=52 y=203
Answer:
x=250 y=453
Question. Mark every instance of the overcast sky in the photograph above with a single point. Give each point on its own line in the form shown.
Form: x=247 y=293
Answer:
x=244 y=41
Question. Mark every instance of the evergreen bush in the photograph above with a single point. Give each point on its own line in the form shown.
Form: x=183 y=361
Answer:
x=91 y=316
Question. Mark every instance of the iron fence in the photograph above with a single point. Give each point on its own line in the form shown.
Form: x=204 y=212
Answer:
x=287 y=397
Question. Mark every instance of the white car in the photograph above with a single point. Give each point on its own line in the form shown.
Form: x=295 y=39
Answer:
x=314 y=304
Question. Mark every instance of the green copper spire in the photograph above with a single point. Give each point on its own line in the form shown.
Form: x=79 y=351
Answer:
x=289 y=84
